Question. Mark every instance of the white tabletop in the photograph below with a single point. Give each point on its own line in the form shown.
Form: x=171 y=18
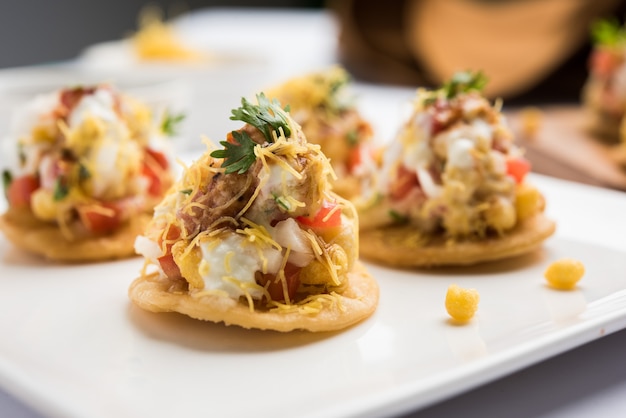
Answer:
x=586 y=381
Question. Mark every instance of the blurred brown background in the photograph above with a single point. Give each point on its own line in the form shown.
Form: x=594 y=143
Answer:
x=542 y=44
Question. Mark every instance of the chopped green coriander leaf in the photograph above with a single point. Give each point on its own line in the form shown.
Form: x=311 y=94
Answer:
x=21 y=154
x=463 y=82
x=608 y=32
x=186 y=191
x=338 y=99
x=339 y=82
x=266 y=116
x=83 y=172
x=7 y=179
x=353 y=137
x=430 y=100
x=237 y=157
x=171 y=123
x=282 y=202
x=398 y=217
x=60 y=189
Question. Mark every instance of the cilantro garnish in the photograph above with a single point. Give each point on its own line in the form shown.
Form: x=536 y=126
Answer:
x=267 y=116
x=463 y=82
x=83 y=172
x=608 y=32
x=398 y=217
x=60 y=189
x=353 y=137
x=237 y=157
x=337 y=100
x=7 y=179
x=282 y=202
x=171 y=123
x=21 y=153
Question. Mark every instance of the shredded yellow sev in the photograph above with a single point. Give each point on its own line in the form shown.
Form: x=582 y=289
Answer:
x=321 y=255
x=311 y=304
x=279 y=153
x=331 y=213
x=256 y=232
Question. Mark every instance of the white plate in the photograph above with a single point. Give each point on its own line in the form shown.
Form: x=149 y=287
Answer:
x=74 y=346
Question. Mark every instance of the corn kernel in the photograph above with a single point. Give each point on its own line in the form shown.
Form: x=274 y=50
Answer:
x=564 y=273
x=531 y=118
x=461 y=304
x=528 y=202
x=43 y=205
x=500 y=215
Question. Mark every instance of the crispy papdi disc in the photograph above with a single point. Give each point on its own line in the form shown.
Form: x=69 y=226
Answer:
x=603 y=125
x=356 y=301
x=403 y=246
x=46 y=239
x=347 y=187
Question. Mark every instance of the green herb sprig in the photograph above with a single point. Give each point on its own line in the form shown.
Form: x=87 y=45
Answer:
x=608 y=32
x=463 y=82
x=61 y=190
x=237 y=157
x=83 y=172
x=267 y=116
x=7 y=179
x=282 y=202
x=170 y=125
x=398 y=217
x=337 y=99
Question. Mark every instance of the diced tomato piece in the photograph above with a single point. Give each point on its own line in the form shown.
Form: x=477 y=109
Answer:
x=441 y=116
x=405 y=181
x=155 y=186
x=20 y=191
x=517 y=168
x=231 y=138
x=603 y=62
x=354 y=158
x=100 y=220
x=153 y=168
x=168 y=265
x=158 y=157
x=437 y=126
x=70 y=97
x=275 y=287
x=172 y=233
x=326 y=217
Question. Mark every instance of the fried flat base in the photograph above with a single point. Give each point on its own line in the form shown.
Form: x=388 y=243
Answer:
x=356 y=302
x=603 y=126
x=402 y=246
x=46 y=239
x=347 y=187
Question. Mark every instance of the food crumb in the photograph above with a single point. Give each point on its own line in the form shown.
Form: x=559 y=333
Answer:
x=565 y=273
x=531 y=118
x=461 y=303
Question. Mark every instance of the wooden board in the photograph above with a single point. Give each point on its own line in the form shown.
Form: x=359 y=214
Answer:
x=562 y=147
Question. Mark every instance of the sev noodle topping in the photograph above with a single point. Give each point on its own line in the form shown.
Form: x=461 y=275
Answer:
x=88 y=159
